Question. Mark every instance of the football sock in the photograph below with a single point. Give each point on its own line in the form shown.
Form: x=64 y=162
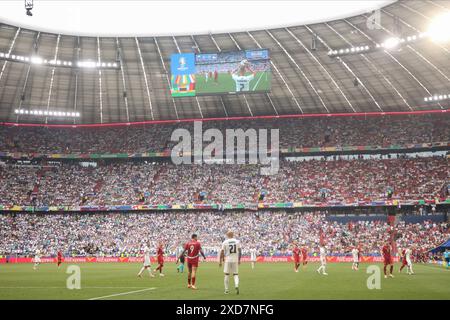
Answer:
x=236 y=281
x=225 y=281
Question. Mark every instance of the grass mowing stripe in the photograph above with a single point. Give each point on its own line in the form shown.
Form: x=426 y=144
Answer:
x=121 y=294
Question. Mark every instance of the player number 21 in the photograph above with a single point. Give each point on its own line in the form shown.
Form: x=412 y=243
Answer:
x=232 y=248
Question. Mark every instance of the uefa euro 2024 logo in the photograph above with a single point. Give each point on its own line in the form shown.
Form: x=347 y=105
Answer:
x=182 y=64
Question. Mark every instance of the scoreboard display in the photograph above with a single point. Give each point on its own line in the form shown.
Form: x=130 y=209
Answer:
x=245 y=71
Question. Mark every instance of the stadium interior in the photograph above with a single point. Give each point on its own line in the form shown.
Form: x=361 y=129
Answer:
x=362 y=105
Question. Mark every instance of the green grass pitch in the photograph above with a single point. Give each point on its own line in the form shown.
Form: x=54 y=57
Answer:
x=225 y=83
x=267 y=281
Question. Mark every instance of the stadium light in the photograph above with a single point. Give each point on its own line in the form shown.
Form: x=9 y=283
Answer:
x=36 y=60
x=46 y=113
x=437 y=97
x=439 y=29
x=391 y=43
x=58 y=63
x=351 y=50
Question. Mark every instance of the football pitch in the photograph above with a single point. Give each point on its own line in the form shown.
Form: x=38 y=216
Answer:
x=226 y=84
x=102 y=281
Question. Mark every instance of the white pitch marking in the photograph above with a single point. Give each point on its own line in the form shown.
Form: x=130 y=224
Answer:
x=66 y=288
x=257 y=82
x=121 y=294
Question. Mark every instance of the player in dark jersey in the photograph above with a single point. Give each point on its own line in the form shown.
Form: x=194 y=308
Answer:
x=387 y=259
x=160 y=254
x=59 y=258
x=180 y=262
x=304 y=256
x=296 y=256
x=216 y=77
x=194 y=250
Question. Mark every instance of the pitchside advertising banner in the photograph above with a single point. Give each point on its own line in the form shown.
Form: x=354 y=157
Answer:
x=331 y=259
x=235 y=72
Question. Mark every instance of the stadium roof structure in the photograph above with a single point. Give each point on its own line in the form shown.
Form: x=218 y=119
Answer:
x=126 y=79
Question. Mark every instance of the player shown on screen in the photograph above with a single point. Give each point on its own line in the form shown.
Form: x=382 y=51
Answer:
x=193 y=249
x=231 y=255
x=146 y=265
x=240 y=78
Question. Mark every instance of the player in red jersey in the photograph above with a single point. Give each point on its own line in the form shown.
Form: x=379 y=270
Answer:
x=160 y=254
x=387 y=259
x=304 y=256
x=296 y=255
x=216 y=76
x=59 y=259
x=403 y=256
x=194 y=250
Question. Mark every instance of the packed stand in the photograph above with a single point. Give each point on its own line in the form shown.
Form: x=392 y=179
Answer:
x=133 y=183
x=271 y=233
x=294 y=132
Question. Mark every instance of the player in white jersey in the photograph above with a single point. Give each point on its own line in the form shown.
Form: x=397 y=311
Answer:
x=231 y=255
x=37 y=259
x=241 y=79
x=253 y=255
x=408 y=253
x=147 y=263
x=355 y=256
x=406 y=260
x=323 y=260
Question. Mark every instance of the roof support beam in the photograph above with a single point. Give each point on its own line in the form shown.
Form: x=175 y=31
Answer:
x=349 y=69
x=398 y=62
x=299 y=69
x=373 y=66
x=55 y=58
x=99 y=59
x=147 y=88
x=124 y=83
x=322 y=67
x=280 y=75
x=166 y=72
x=11 y=47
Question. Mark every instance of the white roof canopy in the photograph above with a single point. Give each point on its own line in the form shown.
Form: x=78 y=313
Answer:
x=153 y=18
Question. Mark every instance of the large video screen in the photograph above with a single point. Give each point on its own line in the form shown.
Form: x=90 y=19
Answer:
x=199 y=74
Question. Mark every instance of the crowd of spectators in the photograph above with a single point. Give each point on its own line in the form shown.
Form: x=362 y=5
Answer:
x=294 y=132
x=133 y=183
x=269 y=232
